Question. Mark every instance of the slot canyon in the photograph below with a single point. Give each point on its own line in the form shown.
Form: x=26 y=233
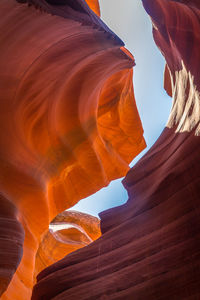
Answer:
x=69 y=125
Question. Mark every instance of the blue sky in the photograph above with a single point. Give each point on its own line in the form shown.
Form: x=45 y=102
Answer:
x=130 y=22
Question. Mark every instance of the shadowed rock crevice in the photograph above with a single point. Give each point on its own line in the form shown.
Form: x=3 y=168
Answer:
x=77 y=10
x=11 y=242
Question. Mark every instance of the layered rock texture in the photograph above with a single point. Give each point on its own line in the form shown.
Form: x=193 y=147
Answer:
x=150 y=247
x=68 y=126
x=68 y=232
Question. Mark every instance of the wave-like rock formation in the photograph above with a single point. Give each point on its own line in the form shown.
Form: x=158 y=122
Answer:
x=150 y=247
x=68 y=232
x=68 y=122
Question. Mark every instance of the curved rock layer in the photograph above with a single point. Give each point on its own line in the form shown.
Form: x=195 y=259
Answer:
x=11 y=241
x=68 y=232
x=150 y=247
x=68 y=120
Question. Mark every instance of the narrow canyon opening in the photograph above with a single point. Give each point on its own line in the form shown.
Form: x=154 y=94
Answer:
x=153 y=105
x=131 y=23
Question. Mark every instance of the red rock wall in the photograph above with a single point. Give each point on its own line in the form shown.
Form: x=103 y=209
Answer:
x=150 y=247
x=68 y=121
x=11 y=242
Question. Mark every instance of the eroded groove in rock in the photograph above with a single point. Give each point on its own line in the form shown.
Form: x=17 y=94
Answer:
x=150 y=247
x=68 y=120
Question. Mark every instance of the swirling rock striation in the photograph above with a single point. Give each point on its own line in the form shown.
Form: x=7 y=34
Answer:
x=68 y=120
x=150 y=247
x=68 y=232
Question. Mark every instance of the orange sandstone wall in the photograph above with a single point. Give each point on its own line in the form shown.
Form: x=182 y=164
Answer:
x=68 y=122
x=94 y=5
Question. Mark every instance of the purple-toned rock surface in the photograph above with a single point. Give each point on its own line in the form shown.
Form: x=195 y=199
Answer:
x=11 y=241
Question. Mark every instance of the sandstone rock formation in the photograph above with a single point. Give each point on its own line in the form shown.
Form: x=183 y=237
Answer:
x=150 y=247
x=68 y=232
x=11 y=242
x=68 y=122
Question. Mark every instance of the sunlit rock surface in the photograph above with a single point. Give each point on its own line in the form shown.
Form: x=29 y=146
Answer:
x=68 y=121
x=68 y=232
x=94 y=5
x=150 y=247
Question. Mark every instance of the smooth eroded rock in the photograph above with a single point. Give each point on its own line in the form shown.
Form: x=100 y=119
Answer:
x=68 y=119
x=150 y=247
